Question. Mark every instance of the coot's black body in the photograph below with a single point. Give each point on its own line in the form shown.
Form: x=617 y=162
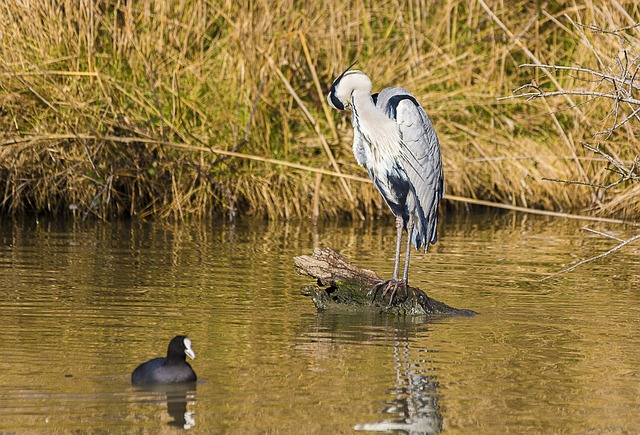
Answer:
x=170 y=370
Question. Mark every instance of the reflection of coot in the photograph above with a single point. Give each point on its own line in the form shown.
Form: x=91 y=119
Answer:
x=178 y=397
x=177 y=408
x=170 y=370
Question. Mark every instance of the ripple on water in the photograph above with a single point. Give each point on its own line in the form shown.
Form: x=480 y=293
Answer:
x=83 y=305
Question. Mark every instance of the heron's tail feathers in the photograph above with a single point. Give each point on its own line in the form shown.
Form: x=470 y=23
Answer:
x=425 y=230
x=425 y=234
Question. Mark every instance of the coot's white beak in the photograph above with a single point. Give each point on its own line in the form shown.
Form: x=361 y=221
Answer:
x=187 y=349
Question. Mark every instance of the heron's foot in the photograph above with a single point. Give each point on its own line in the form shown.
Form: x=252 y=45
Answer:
x=388 y=286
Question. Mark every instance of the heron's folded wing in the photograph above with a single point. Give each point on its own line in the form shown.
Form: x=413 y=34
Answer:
x=423 y=165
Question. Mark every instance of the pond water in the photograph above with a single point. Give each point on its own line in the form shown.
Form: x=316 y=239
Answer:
x=82 y=304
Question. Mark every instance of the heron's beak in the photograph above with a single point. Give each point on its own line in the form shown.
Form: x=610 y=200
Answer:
x=332 y=99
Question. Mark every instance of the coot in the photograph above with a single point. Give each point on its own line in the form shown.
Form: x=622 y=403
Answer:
x=170 y=370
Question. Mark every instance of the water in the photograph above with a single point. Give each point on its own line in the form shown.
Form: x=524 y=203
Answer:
x=82 y=304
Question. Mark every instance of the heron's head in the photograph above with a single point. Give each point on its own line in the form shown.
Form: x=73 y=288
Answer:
x=342 y=89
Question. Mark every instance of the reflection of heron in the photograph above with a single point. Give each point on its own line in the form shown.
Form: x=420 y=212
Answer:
x=416 y=401
x=413 y=404
x=396 y=143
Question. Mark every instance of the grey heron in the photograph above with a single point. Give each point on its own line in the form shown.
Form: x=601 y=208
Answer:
x=395 y=142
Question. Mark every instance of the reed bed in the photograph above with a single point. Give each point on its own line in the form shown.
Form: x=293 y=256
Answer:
x=193 y=108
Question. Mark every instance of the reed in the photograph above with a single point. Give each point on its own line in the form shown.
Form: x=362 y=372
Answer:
x=190 y=108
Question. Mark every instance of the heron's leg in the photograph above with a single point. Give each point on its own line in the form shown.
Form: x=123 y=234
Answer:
x=403 y=283
x=388 y=284
x=393 y=285
x=399 y=226
x=405 y=275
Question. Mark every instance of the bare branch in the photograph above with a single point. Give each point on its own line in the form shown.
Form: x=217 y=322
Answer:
x=609 y=131
x=603 y=234
x=609 y=77
x=583 y=183
x=625 y=173
x=616 y=82
x=580 y=92
x=589 y=260
x=615 y=32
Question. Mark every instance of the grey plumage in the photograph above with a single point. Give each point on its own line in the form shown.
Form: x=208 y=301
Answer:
x=396 y=143
x=420 y=167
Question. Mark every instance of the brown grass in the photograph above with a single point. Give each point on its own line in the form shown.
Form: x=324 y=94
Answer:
x=121 y=108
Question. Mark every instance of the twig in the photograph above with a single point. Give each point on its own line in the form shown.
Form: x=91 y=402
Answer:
x=615 y=126
x=592 y=72
x=509 y=158
x=537 y=211
x=543 y=94
x=589 y=260
x=583 y=183
x=626 y=174
x=50 y=73
x=603 y=234
x=580 y=183
x=613 y=32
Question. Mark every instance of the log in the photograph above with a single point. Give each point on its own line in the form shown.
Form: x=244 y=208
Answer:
x=342 y=285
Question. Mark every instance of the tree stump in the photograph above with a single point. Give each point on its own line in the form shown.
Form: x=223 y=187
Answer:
x=341 y=284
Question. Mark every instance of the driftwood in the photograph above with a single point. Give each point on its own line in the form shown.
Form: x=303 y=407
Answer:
x=342 y=284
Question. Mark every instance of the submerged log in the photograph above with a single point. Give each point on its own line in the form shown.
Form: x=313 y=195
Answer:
x=342 y=284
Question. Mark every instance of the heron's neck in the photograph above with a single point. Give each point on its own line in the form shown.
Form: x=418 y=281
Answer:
x=362 y=100
x=381 y=131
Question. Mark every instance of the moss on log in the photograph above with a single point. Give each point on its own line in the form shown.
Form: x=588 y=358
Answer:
x=341 y=284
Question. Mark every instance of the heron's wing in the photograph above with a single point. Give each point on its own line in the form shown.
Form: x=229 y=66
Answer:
x=420 y=159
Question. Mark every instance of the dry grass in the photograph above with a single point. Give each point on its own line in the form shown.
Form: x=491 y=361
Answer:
x=119 y=107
